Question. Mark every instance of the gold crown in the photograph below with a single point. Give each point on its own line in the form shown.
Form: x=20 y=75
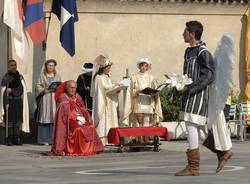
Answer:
x=103 y=61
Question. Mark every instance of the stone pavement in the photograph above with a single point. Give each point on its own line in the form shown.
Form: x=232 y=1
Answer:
x=25 y=165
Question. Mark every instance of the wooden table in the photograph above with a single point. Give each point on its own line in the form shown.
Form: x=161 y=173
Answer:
x=116 y=135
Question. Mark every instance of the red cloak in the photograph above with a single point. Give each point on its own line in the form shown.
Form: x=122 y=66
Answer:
x=69 y=137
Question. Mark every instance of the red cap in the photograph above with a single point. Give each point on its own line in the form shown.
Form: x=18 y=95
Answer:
x=60 y=90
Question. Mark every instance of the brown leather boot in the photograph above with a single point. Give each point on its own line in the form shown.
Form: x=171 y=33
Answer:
x=193 y=166
x=223 y=157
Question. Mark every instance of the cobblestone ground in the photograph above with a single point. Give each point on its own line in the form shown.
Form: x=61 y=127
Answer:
x=26 y=165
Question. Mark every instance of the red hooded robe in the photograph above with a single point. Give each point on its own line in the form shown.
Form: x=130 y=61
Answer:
x=69 y=137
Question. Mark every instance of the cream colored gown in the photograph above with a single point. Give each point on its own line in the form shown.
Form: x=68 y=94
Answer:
x=104 y=106
x=145 y=104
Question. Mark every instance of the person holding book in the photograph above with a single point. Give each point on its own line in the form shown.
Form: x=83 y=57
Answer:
x=142 y=109
x=105 y=98
x=46 y=105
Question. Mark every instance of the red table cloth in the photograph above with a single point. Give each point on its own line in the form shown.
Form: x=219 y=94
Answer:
x=115 y=134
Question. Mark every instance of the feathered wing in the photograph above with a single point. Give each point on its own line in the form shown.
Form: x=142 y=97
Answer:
x=219 y=90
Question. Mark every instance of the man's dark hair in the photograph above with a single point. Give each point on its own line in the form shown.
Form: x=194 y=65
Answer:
x=11 y=61
x=195 y=27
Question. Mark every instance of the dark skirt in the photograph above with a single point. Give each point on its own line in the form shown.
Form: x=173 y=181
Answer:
x=15 y=111
x=44 y=133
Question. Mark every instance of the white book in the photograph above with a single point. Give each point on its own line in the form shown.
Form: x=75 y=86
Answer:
x=115 y=89
x=125 y=82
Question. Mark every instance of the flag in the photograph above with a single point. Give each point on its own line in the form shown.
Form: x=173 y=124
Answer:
x=13 y=17
x=247 y=55
x=34 y=20
x=66 y=12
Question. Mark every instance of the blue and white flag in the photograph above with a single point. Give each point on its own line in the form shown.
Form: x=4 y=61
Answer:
x=66 y=12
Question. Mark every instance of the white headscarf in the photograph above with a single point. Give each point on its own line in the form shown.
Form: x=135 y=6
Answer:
x=144 y=60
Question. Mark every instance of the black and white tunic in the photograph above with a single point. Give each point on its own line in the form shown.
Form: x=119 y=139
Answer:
x=198 y=65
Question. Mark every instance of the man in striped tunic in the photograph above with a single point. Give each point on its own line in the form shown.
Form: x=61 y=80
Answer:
x=198 y=65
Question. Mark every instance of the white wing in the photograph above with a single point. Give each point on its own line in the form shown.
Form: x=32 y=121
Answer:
x=219 y=90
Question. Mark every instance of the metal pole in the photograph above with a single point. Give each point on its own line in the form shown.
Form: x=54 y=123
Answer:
x=124 y=93
x=7 y=94
x=7 y=121
x=47 y=31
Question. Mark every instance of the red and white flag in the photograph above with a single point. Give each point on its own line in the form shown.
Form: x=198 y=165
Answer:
x=13 y=17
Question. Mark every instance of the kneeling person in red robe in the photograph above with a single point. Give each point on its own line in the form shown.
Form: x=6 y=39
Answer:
x=74 y=133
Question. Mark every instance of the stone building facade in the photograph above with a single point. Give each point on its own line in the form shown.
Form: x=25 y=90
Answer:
x=128 y=30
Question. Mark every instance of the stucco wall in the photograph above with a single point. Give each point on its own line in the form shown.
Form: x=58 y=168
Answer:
x=130 y=30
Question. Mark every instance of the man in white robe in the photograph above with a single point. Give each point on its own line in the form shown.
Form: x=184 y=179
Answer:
x=142 y=109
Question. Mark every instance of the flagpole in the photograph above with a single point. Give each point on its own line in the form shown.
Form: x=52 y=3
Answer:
x=7 y=86
x=47 y=31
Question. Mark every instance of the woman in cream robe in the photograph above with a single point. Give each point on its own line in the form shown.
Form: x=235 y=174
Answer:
x=105 y=100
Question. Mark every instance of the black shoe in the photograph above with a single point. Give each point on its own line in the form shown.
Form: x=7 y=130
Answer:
x=8 y=142
x=17 y=141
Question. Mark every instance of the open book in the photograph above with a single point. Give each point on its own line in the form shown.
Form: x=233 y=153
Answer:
x=116 y=89
x=54 y=85
x=125 y=82
x=123 y=85
x=151 y=91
